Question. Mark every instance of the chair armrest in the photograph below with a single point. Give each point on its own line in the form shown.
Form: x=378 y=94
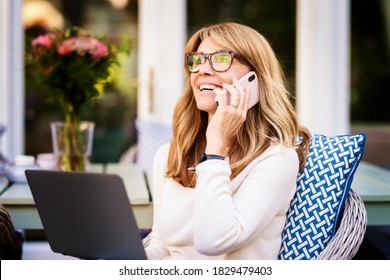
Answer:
x=346 y=242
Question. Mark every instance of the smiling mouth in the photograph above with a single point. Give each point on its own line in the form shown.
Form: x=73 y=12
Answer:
x=208 y=87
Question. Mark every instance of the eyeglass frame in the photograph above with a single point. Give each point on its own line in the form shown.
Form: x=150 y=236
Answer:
x=207 y=56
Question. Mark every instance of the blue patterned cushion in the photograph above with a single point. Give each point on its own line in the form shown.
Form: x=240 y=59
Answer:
x=322 y=188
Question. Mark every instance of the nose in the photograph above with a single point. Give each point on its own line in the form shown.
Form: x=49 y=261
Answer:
x=205 y=69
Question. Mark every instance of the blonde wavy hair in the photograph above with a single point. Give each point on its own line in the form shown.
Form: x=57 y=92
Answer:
x=272 y=120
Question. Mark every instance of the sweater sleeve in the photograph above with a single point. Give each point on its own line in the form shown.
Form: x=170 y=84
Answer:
x=156 y=249
x=225 y=221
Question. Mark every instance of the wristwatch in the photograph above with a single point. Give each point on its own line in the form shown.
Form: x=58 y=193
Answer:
x=205 y=157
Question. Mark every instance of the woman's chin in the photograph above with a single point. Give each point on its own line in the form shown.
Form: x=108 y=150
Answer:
x=209 y=108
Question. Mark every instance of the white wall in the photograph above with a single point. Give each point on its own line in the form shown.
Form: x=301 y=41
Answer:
x=11 y=78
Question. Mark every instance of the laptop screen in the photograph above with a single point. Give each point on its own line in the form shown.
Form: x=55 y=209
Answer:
x=86 y=215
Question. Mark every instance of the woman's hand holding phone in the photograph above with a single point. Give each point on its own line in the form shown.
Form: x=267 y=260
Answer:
x=234 y=101
x=250 y=81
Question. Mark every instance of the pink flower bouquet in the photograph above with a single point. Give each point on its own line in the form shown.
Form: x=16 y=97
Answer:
x=71 y=63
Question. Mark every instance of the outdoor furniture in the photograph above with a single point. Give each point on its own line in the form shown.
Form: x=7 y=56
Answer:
x=346 y=242
x=18 y=200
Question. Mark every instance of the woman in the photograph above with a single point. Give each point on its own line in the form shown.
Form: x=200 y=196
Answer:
x=222 y=187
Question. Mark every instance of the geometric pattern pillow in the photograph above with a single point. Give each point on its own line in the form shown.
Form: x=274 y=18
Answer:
x=322 y=188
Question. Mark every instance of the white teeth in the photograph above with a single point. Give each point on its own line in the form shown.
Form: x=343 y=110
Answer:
x=207 y=87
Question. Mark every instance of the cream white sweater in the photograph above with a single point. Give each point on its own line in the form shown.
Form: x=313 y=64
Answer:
x=223 y=219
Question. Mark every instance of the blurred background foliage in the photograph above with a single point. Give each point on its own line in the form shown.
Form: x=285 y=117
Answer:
x=370 y=61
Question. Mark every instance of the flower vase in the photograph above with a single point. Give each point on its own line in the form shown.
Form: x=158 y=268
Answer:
x=72 y=144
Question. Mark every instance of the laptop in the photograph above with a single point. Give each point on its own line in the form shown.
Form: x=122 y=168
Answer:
x=86 y=215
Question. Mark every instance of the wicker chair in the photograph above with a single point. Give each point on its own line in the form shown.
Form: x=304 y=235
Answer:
x=11 y=241
x=346 y=242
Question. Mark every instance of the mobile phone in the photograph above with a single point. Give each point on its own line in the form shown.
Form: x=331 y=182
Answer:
x=249 y=80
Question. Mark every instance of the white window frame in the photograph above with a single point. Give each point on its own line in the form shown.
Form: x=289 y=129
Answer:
x=11 y=78
x=323 y=70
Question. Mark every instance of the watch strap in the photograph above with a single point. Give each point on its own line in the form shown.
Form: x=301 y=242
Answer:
x=205 y=157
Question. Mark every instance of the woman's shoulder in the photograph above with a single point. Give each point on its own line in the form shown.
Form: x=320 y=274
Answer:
x=279 y=155
x=281 y=150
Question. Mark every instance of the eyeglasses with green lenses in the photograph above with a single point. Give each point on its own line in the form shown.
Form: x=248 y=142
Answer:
x=220 y=61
